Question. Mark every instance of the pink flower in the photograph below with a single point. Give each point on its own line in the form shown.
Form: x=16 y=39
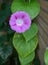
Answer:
x=20 y=21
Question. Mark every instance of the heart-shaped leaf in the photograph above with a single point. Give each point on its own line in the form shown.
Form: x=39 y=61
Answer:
x=24 y=48
x=28 y=59
x=32 y=8
x=29 y=34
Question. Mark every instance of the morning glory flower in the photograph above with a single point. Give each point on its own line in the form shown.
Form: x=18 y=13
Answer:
x=20 y=21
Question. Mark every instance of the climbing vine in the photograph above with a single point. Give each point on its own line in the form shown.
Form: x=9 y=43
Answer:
x=18 y=32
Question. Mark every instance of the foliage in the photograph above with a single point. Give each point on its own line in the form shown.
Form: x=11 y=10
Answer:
x=21 y=45
x=24 y=44
x=46 y=56
x=6 y=47
x=27 y=59
x=29 y=34
x=4 y=13
x=32 y=8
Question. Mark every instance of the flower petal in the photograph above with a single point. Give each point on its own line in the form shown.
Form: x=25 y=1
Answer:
x=21 y=15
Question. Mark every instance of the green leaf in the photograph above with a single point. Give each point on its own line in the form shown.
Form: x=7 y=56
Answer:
x=3 y=38
x=8 y=29
x=5 y=52
x=24 y=48
x=2 y=61
x=28 y=59
x=5 y=48
x=29 y=63
x=46 y=57
x=29 y=34
x=4 y=13
x=32 y=8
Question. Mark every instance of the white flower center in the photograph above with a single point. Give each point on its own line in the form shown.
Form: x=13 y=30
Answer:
x=19 y=22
